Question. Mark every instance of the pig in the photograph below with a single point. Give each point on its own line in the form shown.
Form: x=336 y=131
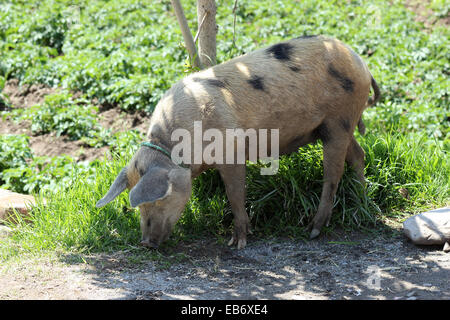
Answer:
x=309 y=88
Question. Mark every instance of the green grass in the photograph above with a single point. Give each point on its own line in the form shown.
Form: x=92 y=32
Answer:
x=128 y=53
x=278 y=205
x=70 y=219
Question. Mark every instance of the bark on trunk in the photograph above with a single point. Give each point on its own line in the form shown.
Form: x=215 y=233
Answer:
x=206 y=15
x=187 y=35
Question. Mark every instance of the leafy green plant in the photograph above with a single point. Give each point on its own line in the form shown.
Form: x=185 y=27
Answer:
x=14 y=151
x=20 y=171
x=4 y=103
x=129 y=54
x=117 y=142
x=61 y=114
x=50 y=31
x=44 y=174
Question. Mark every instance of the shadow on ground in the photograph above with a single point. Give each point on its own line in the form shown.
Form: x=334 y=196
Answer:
x=338 y=266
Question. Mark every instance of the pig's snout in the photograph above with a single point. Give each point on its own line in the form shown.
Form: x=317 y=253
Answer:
x=154 y=230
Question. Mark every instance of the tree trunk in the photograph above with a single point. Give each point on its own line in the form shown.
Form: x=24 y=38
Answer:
x=187 y=35
x=206 y=15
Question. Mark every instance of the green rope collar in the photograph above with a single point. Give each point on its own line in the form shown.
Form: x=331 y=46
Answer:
x=165 y=151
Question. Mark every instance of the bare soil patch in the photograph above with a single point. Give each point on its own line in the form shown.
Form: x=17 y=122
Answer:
x=425 y=14
x=335 y=267
x=51 y=145
x=27 y=95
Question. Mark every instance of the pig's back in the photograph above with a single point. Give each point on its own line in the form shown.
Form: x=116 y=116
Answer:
x=290 y=80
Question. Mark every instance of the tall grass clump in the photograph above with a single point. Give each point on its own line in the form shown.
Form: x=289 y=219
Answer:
x=411 y=163
x=403 y=173
x=69 y=220
x=281 y=204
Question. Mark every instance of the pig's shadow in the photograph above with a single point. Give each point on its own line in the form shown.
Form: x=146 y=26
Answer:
x=332 y=267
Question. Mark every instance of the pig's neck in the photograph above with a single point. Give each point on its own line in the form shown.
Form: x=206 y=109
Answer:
x=160 y=136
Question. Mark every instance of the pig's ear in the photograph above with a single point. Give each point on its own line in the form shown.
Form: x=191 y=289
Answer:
x=117 y=187
x=154 y=185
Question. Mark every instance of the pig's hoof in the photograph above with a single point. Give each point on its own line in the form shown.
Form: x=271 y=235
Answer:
x=314 y=233
x=241 y=243
x=447 y=246
x=149 y=244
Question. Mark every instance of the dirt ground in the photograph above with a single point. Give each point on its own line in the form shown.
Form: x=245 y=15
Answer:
x=335 y=267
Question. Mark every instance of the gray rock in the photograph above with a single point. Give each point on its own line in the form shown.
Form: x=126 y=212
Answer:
x=4 y=231
x=429 y=228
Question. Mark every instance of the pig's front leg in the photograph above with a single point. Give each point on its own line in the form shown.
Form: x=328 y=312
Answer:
x=233 y=177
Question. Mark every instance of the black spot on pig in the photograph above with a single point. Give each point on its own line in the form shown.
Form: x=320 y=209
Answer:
x=281 y=51
x=294 y=68
x=295 y=144
x=322 y=132
x=138 y=169
x=215 y=83
x=211 y=82
x=256 y=82
x=306 y=36
x=345 y=82
x=345 y=124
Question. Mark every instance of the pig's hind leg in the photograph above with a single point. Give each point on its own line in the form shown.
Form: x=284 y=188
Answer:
x=355 y=158
x=335 y=144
